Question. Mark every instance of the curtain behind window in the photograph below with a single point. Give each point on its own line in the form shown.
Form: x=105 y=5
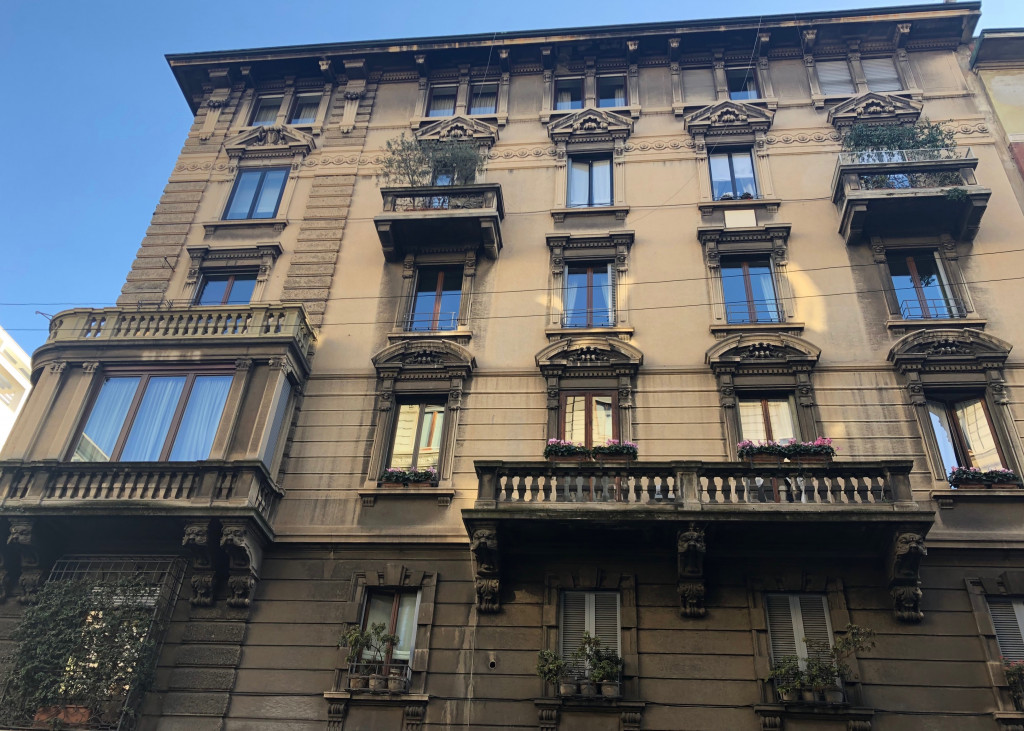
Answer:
x=108 y=414
x=202 y=416
x=149 y=430
x=601 y=179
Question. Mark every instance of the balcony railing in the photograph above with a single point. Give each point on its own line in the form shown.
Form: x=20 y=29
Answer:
x=440 y=198
x=397 y=672
x=865 y=157
x=140 y=485
x=646 y=484
x=925 y=309
x=430 y=323
x=746 y=313
x=588 y=318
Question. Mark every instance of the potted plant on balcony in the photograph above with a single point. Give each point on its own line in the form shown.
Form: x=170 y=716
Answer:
x=828 y=667
x=1002 y=479
x=767 y=452
x=560 y=450
x=397 y=679
x=413 y=163
x=397 y=477
x=357 y=640
x=967 y=478
x=556 y=671
x=615 y=451
x=1014 y=670
x=606 y=672
x=788 y=678
x=368 y=650
x=818 y=452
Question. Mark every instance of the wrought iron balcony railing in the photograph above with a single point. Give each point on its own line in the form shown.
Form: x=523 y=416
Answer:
x=430 y=322
x=925 y=309
x=745 y=313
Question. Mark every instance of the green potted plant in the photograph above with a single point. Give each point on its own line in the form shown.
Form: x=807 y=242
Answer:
x=606 y=672
x=414 y=163
x=588 y=654
x=1002 y=479
x=1014 y=670
x=767 y=452
x=556 y=671
x=397 y=477
x=357 y=640
x=967 y=478
x=368 y=650
x=828 y=667
x=615 y=451
x=560 y=450
x=788 y=678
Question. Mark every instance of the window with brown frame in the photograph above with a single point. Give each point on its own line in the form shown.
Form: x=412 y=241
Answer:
x=437 y=299
x=768 y=418
x=589 y=417
x=589 y=295
x=748 y=287
x=921 y=285
x=396 y=610
x=963 y=430
x=418 y=437
x=233 y=288
x=159 y=416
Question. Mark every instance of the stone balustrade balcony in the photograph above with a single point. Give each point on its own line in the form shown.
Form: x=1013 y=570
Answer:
x=456 y=217
x=908 y=193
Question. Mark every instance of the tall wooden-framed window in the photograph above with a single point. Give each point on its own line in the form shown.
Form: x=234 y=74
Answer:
x=589 y=417
x=417 y=440
x=768 y=418
x=442 y=101
x=568 y=94
x=963 y=430
x=732 y=175
x=611 y=91
x=589 y=295
x=590 y=181
x=228 y=288
x=257 y=194
x=749 y=292
x=265 y=110
x=396 y=609
x=921 y=285
x=437 y=299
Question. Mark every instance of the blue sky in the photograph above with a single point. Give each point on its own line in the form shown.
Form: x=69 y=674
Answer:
x=95 y=121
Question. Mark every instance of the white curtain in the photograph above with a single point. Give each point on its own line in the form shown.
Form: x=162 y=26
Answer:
x=442 y=102
x=483 y=99
x=601 y=179
x=270 y=193
x=149 y=430
x=101 y=431
x=202 y=416
x=306 y=108
x=579 y=183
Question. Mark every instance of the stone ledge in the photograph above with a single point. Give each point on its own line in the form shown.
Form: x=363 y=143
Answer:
x=560 y=214
x=248 y=224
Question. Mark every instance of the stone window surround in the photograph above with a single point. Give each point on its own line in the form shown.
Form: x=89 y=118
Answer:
x=589 y=74
x=681 y=106
x=979 y=588
x=206 y=260
x=280 y=219
x=853 y=58
x=613 y=247
x=590 y=132
x=965 y=359
x=288 y=88
x=726 y=126
x=752 y=364
x=462 y=79
x=410 y=268
x=419 y=369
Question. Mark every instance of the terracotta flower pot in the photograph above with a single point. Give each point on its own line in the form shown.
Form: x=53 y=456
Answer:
x=357 y=682
x=834 y=695
x=588 y=688
x=814 y=459
x=392 y=484
x=1005 y=485
x=569 y=458
x=378 y=682
x=396 y=683
x=610 y=688
x=73 y=716
x=613 y=458
x=567 y=687
x=765 y=459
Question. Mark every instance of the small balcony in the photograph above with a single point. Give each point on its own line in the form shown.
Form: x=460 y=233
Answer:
x=460 y=217
x=908 y=193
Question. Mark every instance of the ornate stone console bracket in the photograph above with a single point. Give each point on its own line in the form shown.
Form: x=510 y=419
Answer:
x=244 y=548
x=201 y=547
x=337 y=709
x=27 y=545
x=904 y=575
x=691 y=547
x=487 y=567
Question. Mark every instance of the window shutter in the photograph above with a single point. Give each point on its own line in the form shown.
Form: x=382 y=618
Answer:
x=795 y=620
x=606 y=620
x=780 y=626
x=1007 y=615
x=698 y=85
x=881 y=74
x=613 y=296
x=814 y=613
x=834 y=77
x=574 y=621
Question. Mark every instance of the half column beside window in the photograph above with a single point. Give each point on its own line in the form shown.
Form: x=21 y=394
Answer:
x=835 y=78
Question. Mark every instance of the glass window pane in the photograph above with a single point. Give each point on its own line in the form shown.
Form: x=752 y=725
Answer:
x=405 y=626
x=267 y=108
x=201 y=418
x=721 y=176
x=742 y=83
x=780 y=414
x=212 y=292
x=269 y=448
x=242 y=197
x=270 y=194
x=601 y=180
x=442 y=102
x=765 y=306
x=242 y=288
x=602 y=310
x=575 y=419
x=403 y=447
x=425 y=300
x=977 y=431
x=569 y=94
x=734 y=292
x=602 y=420
x=306 y=107
x=611 y=91
x=378 y=611
x=579 y=183
x=943 y=435
x=752 y=424
x=106 y=419
x=576 y=281
x=743 y=171
x=149 y=430
x=430 y=437
x=483 y=99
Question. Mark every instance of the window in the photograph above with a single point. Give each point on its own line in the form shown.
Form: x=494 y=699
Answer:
x=483 y=99
x=921 y=286
x=732 y=175
x=589 y=295
x=568 y=94
x=590 y=181
x=588 y=417
x=1008 y=620
x=257 y=194
x=437 y=299
x=881 y=74
x=397 y=611
x=150 y=417
x=611 y=91
x=963 y=430
x=749 y=291
x=417 y=440
x=227 y=289
x=442 y=101
x=305 y=109
x=265 y=111
x=796 y=621
x=768 y=418
x=593 y=612
x=742 y=83
x=835 y=78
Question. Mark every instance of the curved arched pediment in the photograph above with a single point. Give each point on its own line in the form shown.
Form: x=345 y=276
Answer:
x=425 y=355
x=759 y=348
x=967 y=348
x=591 y=353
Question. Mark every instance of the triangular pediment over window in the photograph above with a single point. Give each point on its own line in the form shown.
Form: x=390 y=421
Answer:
x=729 y=118
x=277 y=140
x=874 y=108
x=459 y=128
x=591 y=125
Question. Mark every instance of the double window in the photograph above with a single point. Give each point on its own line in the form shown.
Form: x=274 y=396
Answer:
x=592 y=612
x=257 y=194
x=588 y=417
x=963 y=430
x=798 y=624
x=921 y=286
x=154 y=417
x=419 y=428
x=304 y=109
x=437 y=299
x=748 y=288
x=769 y=418
x=611 y=91
x=589 y=295
x=836 y=79
x=227 y=289
x=742 y=83
x=590 y=181
x=732 y=175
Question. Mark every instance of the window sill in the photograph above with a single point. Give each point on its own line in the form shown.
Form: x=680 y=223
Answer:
x=369 y=496
x=814 y=713
x=460 y=336
x=771 y=205
x=793 y=328
x=561 y=333
x=247 y=224
x=950 y=498
x=560 y=214
x=375 y=699
x=900 y=326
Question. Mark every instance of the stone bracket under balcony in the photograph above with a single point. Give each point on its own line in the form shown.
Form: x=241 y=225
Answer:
x=898 y=193
x=441 y=218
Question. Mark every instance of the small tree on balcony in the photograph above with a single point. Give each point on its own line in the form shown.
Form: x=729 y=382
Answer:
x=411 y=162
x=924 y=135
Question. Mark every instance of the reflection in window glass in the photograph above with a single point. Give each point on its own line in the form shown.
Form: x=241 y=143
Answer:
x=104 y=426
x=749 y=291
x=767 y=419
x=964 y=434
x=418 y=432
x=920 y=284
x=437 y=299
x=257 y=194
x=590 y=182
x=588 y=296
x=732 y=175
x=589 y=418
x=227 y=289
x=397 y=612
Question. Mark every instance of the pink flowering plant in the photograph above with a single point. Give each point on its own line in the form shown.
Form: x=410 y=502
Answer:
x=616 y=448
x=1001 y=476
x=397 y=474
x=965 y=475
x=822 y=446
x=747 y=449
x=563 y=448
x=1014 y=670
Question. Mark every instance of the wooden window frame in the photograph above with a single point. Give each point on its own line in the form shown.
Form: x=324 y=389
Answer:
x=625 y=91
x=231 y=275
x=748 y=289
x=588 y=428
x=590 y=158
x=257 y=105
x=430 y=100
x=751 y=72
x=959 y=440
x=591 y=266
x=421 y=403
x=396 y=593
x=732 y=172
x=295 y=106
x=435 y=318
x=764 y=398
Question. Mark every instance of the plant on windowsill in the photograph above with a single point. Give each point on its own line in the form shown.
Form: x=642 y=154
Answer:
x=562 y=450
x=766 y=452
x=398 y=477
x=1014 y=670
x=556 y=671
x=602 y=668
x=828 y=667
x=788 y=678
x=414 y=163
x=615 y=451
x=367 y=651
x=966 y=478
x=1002 y=479
x=747 y=196
x=820 y=451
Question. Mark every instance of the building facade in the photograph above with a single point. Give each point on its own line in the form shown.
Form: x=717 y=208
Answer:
x=15 y=382
x=668 y=245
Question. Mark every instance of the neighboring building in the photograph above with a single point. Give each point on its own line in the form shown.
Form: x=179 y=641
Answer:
x=666 y=246
x=15 y=382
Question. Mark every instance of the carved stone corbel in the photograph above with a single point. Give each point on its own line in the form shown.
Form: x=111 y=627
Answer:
x=771 y=723
x=487 y=567
x=25 y=540
x=691 y=547
x=337 y=709
x=547 y=719
x=905 y=575
x=412 y=717
x=244 y=549
x=202 y=551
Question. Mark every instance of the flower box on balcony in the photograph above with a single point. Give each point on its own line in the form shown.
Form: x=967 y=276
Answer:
x=967 y=478
x=394 y=477
x=615 y=452
x=559 y=450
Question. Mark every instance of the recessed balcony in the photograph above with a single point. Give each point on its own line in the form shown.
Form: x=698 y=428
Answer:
x=441 y=217
x=892 y=193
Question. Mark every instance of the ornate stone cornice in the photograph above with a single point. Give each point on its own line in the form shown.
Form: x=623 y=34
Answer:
x=729 y=118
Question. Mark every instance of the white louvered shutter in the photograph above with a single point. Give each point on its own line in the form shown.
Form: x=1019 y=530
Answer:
x=698 y=85
x=793 y=621
x=606 y=620
x=881 y=74
x=574 y=621
x=814 y=614
x=594 y=612
x=780 y=626
x=834 y=78
x=1008 y=619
